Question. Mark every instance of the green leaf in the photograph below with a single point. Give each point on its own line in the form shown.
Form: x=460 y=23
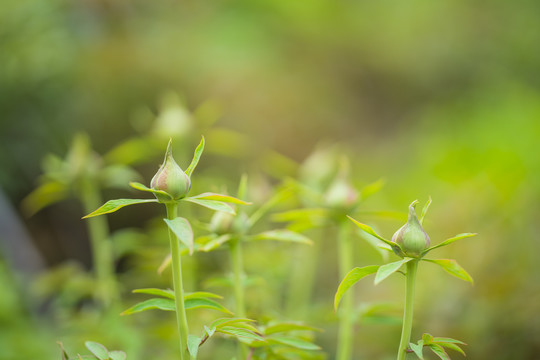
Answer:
x=439 y=351
x=151 y=304
x=311 y=215
x=282 y=235
x=97 y=349
x=209 y=331
x=293 y=342
x=65 y=355
x=371 y=189
x=239 y=333
x=44 y=195
x=182 y=229
x=449 y=241
x=447 y=340
x=417 y=349
x=141 y=187
x=196 y=156
x=424 y=210
x=370 y=231
x=169 y=294
x=453 y=268
x=193 y=343
x=285 y=327
x=117 y=355
x=215 y=242
x=427 y=338
x=213 y=204
x=452 y=346
x=201 y=295
x=205 y=303
x=219 y=197
x=352 y=278
x=386 y=270
x=114 y=205
x=228 y=321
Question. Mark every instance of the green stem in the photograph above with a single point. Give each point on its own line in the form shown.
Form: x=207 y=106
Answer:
x=98 y=230
x=346 y=320
x=237 y=262
x=181 y=319
x=412 y=267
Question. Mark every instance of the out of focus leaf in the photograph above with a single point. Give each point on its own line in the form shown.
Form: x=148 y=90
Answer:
x=151 y=304
x=46 y=194
x=198 y=303
x=439 y=351
x=285 y=327
x=97 y=349
x=117 y=355
x=417 y=349
x=219 y=197
x=212 y=204
x=169 y=294
x=282 y=235
x=292 y=341
x=193 y=343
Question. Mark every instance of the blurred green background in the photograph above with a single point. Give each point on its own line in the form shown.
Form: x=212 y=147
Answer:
x=440 y=98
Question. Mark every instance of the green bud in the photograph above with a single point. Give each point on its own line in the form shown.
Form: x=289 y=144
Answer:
x=221 y=223
x=171 y=178
x=411 y=237
x=341 y=194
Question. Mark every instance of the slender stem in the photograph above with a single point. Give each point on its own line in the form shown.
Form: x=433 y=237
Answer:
x=98 y=230
x=346 y=320
x=412 y=267
x=237 y=262
x=181 y=319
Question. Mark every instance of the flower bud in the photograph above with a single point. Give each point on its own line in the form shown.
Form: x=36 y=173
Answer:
x=411 y=237
x=171 y=178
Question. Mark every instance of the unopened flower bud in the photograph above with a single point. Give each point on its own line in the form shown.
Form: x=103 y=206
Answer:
x=411 y=237
x=341 y=193
x=171 y=178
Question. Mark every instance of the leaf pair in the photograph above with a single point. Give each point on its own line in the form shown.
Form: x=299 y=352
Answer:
x=166 y=302
x=437 y=345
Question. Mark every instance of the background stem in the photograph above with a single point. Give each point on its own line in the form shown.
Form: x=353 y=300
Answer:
x=412 y=266
x=181 y=319
x=345 y=314
x=237 y=262
x=98 y=230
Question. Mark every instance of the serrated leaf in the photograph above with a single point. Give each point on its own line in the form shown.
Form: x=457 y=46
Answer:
x=198 y=303
x=453 y=268
x=370 y=231
x=449 y=241
x=439 y=351
x=141 y=187
x=97 y=349
x=213 y=204
x=196 y=156
x=115 y=205
x=193 y=343
x=219 y=197
x=151 y=304
x=182 y=229
x=293 y=342
x=285 y=327
x=239 y=333
x=424 y=210
x=282 y=235
x=352 y=278
x=417 y=349
x=117 y=355
x=201 y=295
x=166 y=293
x=386 y=270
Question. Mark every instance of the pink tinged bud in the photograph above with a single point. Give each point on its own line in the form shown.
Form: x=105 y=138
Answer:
x=411 y=237
x=171 y=178
x=341 y=194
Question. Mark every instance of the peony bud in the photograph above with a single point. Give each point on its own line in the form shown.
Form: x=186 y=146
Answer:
x=171 y=178
x=411 y=237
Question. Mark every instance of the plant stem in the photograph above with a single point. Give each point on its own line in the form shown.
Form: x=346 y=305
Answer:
x=237 y=262
x=181 y=319
x=98 y=230
x=412 y=267
x=346 y=320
